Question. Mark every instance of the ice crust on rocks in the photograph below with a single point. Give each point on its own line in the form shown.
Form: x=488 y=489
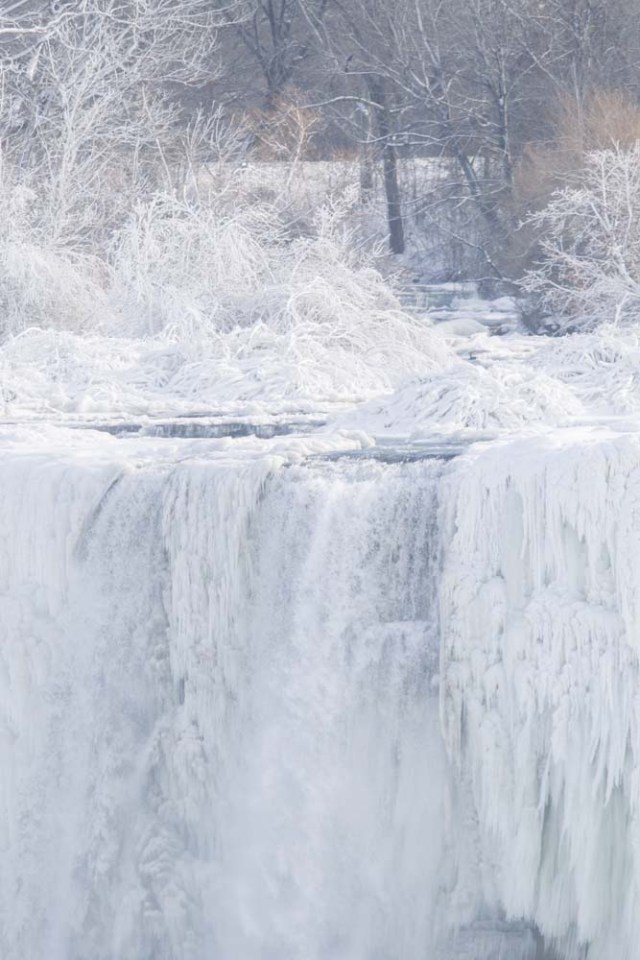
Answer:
x=540 y=600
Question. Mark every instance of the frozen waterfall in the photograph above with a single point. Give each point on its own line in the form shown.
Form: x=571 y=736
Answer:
x=218 y=706
x=541 y=681
x=284 y=699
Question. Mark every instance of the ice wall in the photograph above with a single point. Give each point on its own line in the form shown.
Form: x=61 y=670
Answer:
x=541 y=692
x=218 y=714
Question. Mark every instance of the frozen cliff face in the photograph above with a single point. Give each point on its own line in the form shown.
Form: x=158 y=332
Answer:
x=220 y=734
x=219 y=726
x=541 y=701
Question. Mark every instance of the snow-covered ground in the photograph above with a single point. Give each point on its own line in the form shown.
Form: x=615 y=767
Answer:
x=238 y=575
x=438 y=371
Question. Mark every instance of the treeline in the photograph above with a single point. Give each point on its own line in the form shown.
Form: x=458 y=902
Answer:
x=510 y=95
x=501 y=100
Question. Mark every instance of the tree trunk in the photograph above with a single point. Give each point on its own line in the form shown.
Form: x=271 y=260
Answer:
x=365 y=157
x=389 y=165
x=392 y=193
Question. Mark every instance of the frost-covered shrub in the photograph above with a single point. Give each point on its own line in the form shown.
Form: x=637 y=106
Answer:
x=187 y=269
x=42 y=282
x=589 y=271
x=307 y=311
x=119 y=226
x=216 y=304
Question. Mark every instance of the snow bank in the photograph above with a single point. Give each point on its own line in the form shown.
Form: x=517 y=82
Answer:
x=601 y=368
x=468 y=397
x=215 y=305
x=243 y=370
x=507 y=385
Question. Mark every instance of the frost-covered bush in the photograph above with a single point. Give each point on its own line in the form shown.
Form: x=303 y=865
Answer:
x=589 y=271
x=140 y=268
x=87 y=111
x=217 y=304
x=191 y=268
x=43 y=282
x=298 y=315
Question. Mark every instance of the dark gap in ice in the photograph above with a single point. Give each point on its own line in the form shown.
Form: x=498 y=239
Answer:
x=401 y=453
x=194 y=429
x=198 y=430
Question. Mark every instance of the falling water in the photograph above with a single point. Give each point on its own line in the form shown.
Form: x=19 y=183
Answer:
x=219 y=710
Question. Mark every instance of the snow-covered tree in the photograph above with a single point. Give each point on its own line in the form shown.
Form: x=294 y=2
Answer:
x=589 y=270
x=89 y=112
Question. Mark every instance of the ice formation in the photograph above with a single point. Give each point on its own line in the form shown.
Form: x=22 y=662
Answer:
x=540 y=603
x=220 y=670
x=218 y=701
